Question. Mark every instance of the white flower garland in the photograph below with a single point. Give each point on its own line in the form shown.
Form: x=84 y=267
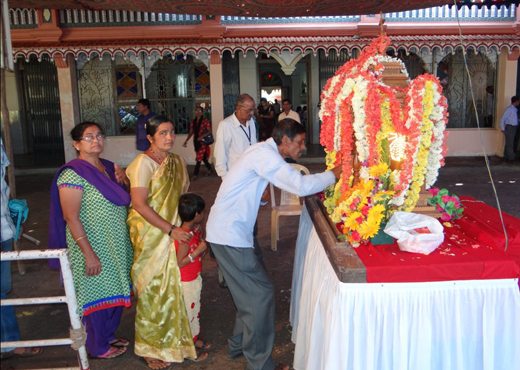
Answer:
x=439 y=125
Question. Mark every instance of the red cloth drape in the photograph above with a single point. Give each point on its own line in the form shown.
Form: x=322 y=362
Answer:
x=473 y=249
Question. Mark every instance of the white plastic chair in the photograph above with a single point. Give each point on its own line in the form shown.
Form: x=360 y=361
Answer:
x=290 y=205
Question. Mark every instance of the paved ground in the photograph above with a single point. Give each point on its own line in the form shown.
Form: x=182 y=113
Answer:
x=464 y=176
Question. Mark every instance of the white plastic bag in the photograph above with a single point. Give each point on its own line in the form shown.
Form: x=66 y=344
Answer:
x=409 y=230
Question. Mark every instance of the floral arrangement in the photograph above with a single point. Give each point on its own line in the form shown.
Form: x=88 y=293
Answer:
x=446 y=203
x=362 y=119
x=364 y=207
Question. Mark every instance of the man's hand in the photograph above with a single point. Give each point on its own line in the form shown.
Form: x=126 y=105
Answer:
x=337 y=171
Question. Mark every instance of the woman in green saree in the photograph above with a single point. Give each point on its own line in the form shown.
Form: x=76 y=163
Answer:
x=157 y=180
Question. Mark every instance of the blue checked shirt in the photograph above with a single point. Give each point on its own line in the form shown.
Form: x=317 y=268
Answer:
x=8 y=229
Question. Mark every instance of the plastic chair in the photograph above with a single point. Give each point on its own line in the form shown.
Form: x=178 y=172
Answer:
x=290 y=205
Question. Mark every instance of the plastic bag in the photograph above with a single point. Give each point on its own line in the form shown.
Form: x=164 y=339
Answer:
x=18 y=210
x=415 y=233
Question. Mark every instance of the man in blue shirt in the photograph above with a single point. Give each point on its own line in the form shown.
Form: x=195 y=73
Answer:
x=230 y=232
x=141 y=141
x=509 y=125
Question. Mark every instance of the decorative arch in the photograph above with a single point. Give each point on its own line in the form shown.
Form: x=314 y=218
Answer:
x=279 y=45
x=270 y=79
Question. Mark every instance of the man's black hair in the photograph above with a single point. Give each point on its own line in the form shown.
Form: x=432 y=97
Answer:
x=287 y=127
x=145 y=102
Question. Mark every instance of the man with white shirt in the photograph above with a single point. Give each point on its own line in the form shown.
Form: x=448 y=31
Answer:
x=230 y=232
x=235 y=134
x=288 y=112
x=509 y=125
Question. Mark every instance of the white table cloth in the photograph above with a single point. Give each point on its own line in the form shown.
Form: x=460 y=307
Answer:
x=450 y=325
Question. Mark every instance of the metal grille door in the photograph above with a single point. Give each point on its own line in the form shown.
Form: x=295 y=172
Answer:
x=43 y=115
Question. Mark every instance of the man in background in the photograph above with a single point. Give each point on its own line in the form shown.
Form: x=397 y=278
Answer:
x=509 y=125
x=277 y=110
x=141 y=141
x=288 y=112
x=235 y=134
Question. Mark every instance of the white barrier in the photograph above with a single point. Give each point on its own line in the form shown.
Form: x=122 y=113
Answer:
x=78 y=334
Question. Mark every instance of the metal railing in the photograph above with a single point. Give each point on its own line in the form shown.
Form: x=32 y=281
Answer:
x=23 y=18
x=448 y=13
x=104 y=18
x=288 y=20
x=78 y=335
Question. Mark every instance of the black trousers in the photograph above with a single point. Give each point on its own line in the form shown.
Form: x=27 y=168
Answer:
x=197 y=166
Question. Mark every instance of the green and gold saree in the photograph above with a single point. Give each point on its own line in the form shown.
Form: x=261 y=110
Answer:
x=162 y=329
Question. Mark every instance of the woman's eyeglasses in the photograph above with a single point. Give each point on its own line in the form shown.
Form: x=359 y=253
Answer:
x=90 y=138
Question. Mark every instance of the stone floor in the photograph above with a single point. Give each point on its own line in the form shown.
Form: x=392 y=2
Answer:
x=463 y=176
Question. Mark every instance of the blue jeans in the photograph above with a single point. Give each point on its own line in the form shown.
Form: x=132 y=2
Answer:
x=9 y=324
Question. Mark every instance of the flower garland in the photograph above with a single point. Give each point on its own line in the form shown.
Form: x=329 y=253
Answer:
x=424 y=129
x=357 y=105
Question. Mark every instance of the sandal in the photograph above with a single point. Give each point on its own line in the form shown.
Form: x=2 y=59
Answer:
x=155 y=361
x=201 y=357
x=119 y=342
x=202 y=344
x=113 y=352
x=194 y=178
x=27 y=352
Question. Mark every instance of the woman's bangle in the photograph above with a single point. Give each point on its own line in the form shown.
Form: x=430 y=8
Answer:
x=171 y=229
x=81 y=237
x=191 y=258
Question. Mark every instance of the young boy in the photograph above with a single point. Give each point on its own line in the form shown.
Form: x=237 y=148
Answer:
x=189 y=258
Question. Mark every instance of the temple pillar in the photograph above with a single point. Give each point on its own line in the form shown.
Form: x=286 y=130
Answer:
x=436 y=57
x=13 y=105
x=216 y=90
x=314 y=100
x=249 y=81
x=69 y=103
x=295 y=90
